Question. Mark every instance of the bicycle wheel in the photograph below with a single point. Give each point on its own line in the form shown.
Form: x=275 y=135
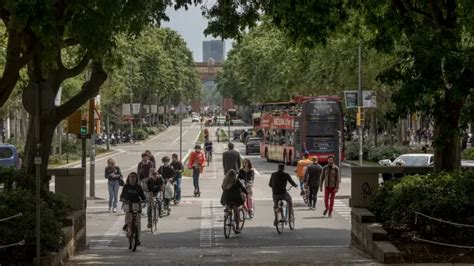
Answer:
x=135 y=237
x=242 y=219
x=130 y=236
x=227 y=224
x=155 y=217
x=280 y=222
x=291 y=218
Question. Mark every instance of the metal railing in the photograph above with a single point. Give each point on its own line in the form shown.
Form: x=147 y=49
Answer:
x=19 y=243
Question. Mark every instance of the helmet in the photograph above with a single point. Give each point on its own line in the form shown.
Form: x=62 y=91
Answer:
x=197 y=147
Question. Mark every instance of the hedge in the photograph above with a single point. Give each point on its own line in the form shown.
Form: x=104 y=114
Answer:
x=468 y=154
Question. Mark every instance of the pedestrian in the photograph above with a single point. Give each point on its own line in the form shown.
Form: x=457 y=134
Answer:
x=231 y=159
x=330 y=179
x=178 y=168
x=218 y=135
x=301 y=168
x=197 y=162
x=312 y=178
x=113 y=175
x=151 y=157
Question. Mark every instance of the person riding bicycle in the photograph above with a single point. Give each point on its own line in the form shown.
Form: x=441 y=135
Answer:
x=208 y=148
x=206 y=134
x=132 y=192
x=231 y=197
x=155 y=185
x=247 y=175
x=278 y=182
x=167 y=172
x=301 y=169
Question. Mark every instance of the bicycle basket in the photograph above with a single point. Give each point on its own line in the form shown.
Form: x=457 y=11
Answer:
x=135 y=206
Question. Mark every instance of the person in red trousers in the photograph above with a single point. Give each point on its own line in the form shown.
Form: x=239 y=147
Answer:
x=330 y=180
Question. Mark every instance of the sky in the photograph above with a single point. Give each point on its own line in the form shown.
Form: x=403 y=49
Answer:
x=191 y=24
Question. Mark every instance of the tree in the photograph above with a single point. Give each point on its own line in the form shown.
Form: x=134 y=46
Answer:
x=433 y=42
x=41 y=32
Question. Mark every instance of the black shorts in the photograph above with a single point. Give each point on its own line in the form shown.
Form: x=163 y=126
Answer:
x=286 y=197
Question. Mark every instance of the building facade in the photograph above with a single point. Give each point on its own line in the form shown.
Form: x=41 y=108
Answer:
x=213 y=49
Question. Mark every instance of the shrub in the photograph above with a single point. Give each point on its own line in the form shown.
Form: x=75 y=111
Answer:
x=373 y=153
x=468 y=154
x=448 y=196
x=18 y=197
x=140 y=134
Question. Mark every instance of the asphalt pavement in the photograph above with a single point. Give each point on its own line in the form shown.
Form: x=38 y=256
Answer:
x=193 y=233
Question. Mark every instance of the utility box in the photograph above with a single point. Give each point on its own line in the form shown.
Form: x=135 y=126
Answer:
x=71 y=182
x=364 y=185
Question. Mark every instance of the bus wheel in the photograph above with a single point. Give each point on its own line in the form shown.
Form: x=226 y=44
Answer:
x=290 y=159
x=285 y=159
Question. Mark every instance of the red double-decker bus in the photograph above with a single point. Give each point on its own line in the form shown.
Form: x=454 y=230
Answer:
x=312 y=124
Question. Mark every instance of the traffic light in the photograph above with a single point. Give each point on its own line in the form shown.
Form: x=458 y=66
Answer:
x=83 y=131
x=360 y=117
x=74 y=123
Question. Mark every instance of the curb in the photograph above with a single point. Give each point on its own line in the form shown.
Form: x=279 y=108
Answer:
x=102 y=155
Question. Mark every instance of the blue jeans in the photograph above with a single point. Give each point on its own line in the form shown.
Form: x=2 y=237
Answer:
x=196 y=173
x=113 y=193
x=301 y=185
x=177 y=187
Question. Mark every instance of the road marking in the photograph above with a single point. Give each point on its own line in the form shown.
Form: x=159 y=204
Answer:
x=110 y=234
x=205 y=238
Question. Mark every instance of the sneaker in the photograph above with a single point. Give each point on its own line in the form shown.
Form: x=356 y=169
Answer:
x=325 y=212
x=148 y=225
x=330 y=215
x=177 y=202
x=237 y=231
x=114 y=210
x=139 y=243
x=302 y=193
x=124 y=228
x=110 y=209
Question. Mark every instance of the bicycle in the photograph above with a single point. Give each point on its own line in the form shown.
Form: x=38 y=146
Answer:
x=208 y=157
x=155 y=204
x=132 y=228
x=229 y=223
x=283 y=216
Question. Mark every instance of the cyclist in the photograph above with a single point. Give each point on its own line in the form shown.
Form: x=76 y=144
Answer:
x=143 y=168
x=132 y=192
x=155 y=185
x=208 y=149
x=197 y=162
x=167 y=173
x=206 y=134
x=232 y=195
x=151 y=157
x=178 y=168
x=300 y=170
x=247 y=175
x=278 y=182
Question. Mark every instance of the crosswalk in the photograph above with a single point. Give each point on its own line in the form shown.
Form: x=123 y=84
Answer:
x=342 y=209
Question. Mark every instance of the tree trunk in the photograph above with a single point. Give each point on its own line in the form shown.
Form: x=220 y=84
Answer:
x=46 y=137
x=447 y=139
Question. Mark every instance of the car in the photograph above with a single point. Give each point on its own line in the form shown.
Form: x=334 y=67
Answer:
x=9 y=156
x=252 y=146
x=245 y=134
x=194 y=119
x=237 y=133
x=411 y=159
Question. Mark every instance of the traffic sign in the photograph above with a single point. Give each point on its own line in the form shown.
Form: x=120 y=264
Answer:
x=181 y=109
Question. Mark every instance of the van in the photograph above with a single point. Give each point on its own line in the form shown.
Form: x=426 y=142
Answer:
x=9 y=156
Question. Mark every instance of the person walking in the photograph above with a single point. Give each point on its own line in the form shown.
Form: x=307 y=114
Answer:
x=330 y=179
x=197 y=161
x=178 y=168
x=231 y=159
x=113 y=175
x=312 y=178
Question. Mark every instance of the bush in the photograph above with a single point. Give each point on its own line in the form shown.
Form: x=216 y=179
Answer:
x=448 y=196
x=139 y=134
x=468 y=154
x=18 y=197
x=373 y=153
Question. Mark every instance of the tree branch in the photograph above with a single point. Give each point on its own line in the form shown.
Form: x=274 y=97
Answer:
x=13 y=64
x=70 y=42
x=435 y=12
x=89 y=89
x=72 y=72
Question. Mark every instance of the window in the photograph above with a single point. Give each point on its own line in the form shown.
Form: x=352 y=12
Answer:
x=6 y=153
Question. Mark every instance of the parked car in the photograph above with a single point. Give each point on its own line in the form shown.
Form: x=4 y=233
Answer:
x=412 y=159
x=9 y=156
x=252 y=146
x=194 y=119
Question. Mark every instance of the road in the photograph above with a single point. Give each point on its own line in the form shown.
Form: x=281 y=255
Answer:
x=193 y=233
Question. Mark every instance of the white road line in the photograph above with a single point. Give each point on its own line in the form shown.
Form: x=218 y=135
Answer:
x=111 y=233
x=74 y=165
x=205 y=237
